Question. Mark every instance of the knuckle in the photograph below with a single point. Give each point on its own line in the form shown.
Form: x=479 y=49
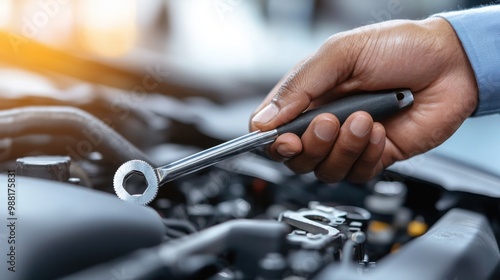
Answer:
x=297 y=167
x=348 y=150
x=294 y=88
x=368 y=159
x=334 y=40
x=361 y=176
x=274 y=155
x=315 y=154
x=301 y=164
x=328 y=176
x=301 y=170
x=287 y=89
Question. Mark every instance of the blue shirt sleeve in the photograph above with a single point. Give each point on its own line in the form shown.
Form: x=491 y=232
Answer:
x=479 y=31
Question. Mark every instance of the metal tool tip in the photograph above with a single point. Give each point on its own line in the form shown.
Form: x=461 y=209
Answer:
x=136 y=167
x=405 y=98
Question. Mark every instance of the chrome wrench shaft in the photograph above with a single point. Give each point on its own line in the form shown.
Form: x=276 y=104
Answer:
x=206 y=158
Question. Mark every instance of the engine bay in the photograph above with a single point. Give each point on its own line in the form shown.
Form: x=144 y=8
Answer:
x=247 y=217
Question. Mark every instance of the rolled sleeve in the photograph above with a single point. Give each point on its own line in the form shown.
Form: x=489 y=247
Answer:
x=479 y=31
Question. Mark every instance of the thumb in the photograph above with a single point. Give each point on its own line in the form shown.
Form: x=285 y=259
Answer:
x=329 y=66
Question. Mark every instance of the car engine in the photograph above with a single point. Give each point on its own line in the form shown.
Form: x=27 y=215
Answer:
x=247 y=217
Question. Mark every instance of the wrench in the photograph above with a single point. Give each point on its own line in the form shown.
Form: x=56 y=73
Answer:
x=378 y=105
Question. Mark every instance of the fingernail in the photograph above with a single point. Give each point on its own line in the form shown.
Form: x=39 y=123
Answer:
x=377 y=136
x=283 y=151
x=360 y=126
x=325 y=130
x=266 y=115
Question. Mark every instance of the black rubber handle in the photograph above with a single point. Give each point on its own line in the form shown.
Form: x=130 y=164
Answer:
x=378 y=104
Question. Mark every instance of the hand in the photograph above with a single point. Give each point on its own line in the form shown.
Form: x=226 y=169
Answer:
x=424 y=56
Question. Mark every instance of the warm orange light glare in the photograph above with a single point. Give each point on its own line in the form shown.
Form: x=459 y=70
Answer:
x=107 y=28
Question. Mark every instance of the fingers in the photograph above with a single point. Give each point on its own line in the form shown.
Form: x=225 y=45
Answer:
x=285 y=147
x=369 y=163
x=352 y=150
x=317 y=142
x=334 y=153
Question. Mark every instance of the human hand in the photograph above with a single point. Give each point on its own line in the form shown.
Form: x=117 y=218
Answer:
x=424 y=56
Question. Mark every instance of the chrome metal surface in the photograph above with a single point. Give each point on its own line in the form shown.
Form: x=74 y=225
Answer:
x=137 y=167
x=156 y=177
x=214 y=155
x=405 y=98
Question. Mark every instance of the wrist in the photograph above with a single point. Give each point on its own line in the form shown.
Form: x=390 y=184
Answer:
x=458 y=69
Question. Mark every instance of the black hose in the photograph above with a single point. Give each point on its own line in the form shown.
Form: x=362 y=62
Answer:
x=250 y=240
x=180 y=225
x=91 y=133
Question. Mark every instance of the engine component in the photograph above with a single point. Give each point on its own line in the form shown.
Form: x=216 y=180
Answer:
x=387 y=197
x=323 y=234
x=460 y=245
x=62 y=228
x=244 y=243
x=94 y=135
x=45 y=167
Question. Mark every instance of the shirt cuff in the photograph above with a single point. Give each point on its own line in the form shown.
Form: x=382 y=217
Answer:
x=479 y=31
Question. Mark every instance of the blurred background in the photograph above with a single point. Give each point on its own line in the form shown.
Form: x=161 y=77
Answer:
x=207 y=63
x=212 y=43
